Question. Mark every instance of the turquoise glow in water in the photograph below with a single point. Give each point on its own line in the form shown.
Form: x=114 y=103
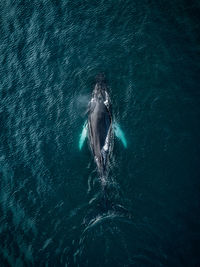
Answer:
x=120 y=134
x=83 y=135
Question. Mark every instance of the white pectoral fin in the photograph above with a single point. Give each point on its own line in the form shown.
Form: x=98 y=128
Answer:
x=119 y=133
x=83 y=135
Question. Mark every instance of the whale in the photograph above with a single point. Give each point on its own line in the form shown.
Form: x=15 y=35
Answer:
x=100 y=131
x=100 y=127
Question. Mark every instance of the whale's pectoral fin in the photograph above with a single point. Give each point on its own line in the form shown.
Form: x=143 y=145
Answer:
x=83 y=135
x=119 y=133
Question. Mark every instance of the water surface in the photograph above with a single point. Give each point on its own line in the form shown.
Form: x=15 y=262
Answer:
x=50 y=198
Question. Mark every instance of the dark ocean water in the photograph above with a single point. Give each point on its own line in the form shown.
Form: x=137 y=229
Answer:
x=50 y=197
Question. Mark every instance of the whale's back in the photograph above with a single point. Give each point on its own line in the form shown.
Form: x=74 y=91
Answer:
x=99 y=122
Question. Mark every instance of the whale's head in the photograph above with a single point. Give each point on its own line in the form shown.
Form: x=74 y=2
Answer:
x=99 y=92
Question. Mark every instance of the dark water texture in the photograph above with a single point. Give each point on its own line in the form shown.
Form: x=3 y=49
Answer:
x=50 y=197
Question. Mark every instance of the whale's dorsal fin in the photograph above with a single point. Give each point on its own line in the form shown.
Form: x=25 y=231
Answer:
x=119 y=133
x=83 y=135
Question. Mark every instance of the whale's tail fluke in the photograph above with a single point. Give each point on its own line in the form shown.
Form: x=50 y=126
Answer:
x=105 y=207
x=110 y=200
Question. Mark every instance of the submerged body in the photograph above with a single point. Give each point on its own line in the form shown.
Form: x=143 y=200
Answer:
x=100 y=126
x=100 y=129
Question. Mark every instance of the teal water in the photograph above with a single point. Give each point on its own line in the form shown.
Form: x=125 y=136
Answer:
x=50 y=198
